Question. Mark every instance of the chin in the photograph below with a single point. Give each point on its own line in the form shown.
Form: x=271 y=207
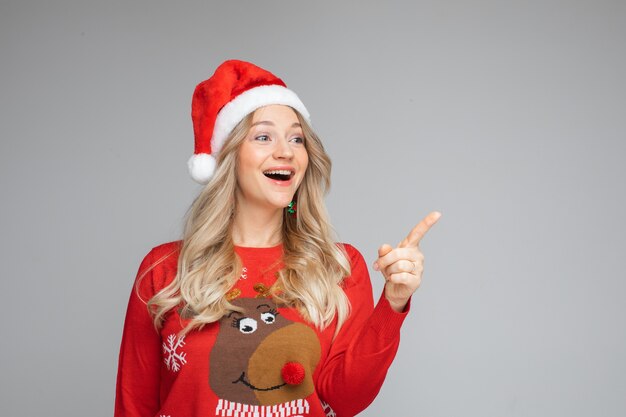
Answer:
x=281 y=204
x=281 y=200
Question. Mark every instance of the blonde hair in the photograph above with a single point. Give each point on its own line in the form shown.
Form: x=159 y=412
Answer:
x=208 y=267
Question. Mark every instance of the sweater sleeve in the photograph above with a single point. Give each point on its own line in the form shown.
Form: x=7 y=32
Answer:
x=138 y=375
x=364 y=348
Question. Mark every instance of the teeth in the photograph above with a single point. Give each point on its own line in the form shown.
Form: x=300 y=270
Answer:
x=278 y=172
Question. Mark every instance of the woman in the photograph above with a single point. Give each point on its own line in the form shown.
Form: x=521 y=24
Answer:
x=257 y=311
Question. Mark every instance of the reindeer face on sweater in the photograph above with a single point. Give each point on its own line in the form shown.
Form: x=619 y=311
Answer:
x=260 y=357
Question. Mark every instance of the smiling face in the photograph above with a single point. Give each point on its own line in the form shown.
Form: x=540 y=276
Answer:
x=251 y=351
x=272 y=159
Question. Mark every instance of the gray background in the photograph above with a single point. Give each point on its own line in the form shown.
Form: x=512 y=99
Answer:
x=508 y=117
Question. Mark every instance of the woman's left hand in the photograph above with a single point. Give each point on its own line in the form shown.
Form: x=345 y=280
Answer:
x=402 y=267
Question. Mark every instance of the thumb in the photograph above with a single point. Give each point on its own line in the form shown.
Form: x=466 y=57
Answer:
x=382 y=251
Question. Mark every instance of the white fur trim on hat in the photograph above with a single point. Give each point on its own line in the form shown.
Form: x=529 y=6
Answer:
x=247 y=102
x=201 y=167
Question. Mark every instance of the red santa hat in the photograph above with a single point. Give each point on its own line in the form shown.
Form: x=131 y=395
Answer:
x=236 y=89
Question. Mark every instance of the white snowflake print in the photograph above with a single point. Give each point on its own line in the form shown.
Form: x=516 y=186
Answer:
x=244 y=273
x=329 y=411
x=174 y=359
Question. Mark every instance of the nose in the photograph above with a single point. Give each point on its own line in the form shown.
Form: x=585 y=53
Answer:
x=283 y=149
x=271 y=364
x=293 y=373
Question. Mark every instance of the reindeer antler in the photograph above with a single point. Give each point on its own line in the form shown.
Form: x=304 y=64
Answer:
x=262 y=289
x=232 y=294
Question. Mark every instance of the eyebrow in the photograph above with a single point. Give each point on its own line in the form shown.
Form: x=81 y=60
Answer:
x=270 y=123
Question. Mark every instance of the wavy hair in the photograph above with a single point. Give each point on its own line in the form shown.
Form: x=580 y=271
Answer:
x=208 y=267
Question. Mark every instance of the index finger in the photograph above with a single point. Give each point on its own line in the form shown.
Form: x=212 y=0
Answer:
x=415 y=236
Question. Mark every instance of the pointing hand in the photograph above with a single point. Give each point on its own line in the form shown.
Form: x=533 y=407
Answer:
x=402 y=267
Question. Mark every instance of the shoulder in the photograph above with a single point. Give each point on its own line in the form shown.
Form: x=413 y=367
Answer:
x=163 y=256
x=158 y=268
x=358 y=267
x=352 y=253
x=166 y=251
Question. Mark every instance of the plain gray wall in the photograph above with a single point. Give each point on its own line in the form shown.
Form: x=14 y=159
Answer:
x=509 y=117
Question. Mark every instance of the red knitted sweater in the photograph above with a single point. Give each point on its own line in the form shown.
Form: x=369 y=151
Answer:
x=265 y=362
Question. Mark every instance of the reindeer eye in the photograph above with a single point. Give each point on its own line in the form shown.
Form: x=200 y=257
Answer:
x=247 y=325
x=269 y=317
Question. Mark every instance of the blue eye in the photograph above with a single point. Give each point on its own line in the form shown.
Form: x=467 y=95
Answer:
x=262 y=138
x=297 y=140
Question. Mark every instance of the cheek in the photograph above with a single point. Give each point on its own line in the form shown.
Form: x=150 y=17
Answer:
x=241 y=177
x=248 y=162
x=244 y=161
x=304 y=161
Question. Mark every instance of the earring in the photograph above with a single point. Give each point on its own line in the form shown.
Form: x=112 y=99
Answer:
x=292 y=208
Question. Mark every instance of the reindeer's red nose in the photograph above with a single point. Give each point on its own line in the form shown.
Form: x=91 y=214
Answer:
x=293 y=373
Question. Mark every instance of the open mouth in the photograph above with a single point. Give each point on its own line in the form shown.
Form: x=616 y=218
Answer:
x=279 y=174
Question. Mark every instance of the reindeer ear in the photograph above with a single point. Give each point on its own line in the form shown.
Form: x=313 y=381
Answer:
x=232 y=294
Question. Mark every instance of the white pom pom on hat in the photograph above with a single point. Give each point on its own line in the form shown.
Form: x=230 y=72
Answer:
x=201 y=167
x=236 y=89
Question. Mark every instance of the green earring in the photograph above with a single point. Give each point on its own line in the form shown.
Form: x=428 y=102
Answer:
x=291 y=208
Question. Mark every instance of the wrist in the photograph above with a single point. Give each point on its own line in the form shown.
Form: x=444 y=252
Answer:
x=398 y=305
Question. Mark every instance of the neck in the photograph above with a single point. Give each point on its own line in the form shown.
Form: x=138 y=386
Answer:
x=256 y=227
